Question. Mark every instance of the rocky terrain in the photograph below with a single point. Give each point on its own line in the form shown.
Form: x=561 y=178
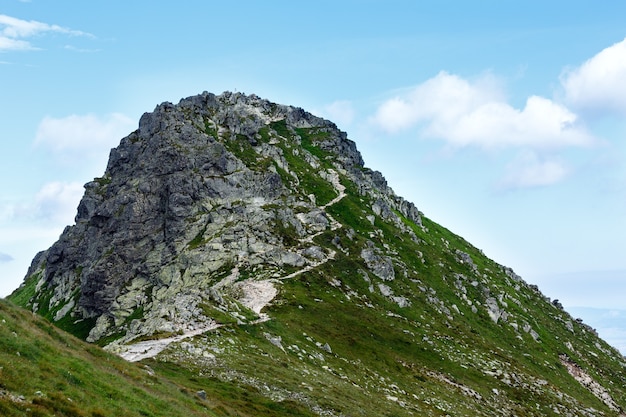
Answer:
x=236 y=241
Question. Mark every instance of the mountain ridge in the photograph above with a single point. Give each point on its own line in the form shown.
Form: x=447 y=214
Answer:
x=246 y=240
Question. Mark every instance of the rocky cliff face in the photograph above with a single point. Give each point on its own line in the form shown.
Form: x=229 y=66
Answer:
x=246 y=241
x=202 y=192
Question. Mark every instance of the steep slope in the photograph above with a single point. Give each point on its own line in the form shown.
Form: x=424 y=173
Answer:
x=44 y=372
x=237 y=240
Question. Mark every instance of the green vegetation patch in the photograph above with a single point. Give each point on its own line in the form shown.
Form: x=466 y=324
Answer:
x=210 y=128
x=280 y=127
x=310 y=140
x=54 y=373
x=216 y=314
x=241 y=147
x=23 y=295
x=198 y=240
x=310 y=180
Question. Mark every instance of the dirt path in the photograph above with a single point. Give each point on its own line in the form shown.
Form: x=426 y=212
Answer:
x=258 y=294
x=150 y=348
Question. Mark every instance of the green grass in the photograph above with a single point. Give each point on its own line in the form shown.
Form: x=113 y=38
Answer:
x=58 y=374
x=229 y=399
x=310 y=140
x=280 y=127
x=309 y=180
x=198 y=240
x=219 y=316
x=210 y=129
x=103 y=181
x=78 y=327
x=26 y=291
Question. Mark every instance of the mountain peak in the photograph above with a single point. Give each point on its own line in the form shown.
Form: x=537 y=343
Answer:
x=228 y=171
x=230 y=233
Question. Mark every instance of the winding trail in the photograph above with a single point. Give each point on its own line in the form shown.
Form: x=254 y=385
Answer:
x=256 y=294
x=150 y=348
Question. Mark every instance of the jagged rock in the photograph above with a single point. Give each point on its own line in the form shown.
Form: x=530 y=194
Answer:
x=381 y=266
x=511 y=274
x=528 y=329
x=465 y=258
x=292 y=259
x=314 y=220
x=134 y=222
x=493 y=309
x=314 y=252
x=275 y=340
x=385 y=290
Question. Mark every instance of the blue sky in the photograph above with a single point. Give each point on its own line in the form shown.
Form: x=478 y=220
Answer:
x=503 y=121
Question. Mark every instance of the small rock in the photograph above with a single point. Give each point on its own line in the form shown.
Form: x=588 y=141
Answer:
x=275 y=340
x=201 y=394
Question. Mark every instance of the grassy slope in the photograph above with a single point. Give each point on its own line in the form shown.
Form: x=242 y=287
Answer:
x=391 y=361
x=45 y=371
x=388 y=360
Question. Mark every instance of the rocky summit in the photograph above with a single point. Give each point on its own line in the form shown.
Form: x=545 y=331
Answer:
x=242 y=249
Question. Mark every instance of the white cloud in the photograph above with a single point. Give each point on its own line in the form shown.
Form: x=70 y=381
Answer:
x=8 y=44
x=57 y=202
x=464 y=113
x=88 y=132
x=442 y=98
x=18 y=28
x=600 y=82
x=53 y=205
x=79 y=143
x=5 y=257
x=529 y=170
x=80 y=50
x=13 y=31
x=341 y=112
x=8 y=211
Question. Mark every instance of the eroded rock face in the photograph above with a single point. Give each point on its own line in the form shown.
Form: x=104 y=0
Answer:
x=199 y=190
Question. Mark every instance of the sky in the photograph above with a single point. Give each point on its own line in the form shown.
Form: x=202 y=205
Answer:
x=503 y=121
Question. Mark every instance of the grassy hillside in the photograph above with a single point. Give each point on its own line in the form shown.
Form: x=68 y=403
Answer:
x=45 y=371
x=342 y=348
